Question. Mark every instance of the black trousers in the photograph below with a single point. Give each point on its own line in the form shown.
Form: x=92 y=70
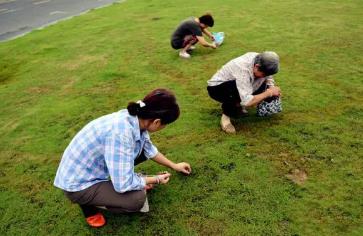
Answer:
x=227 y=94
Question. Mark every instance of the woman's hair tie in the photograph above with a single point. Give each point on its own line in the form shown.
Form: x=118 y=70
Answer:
x=141 y=103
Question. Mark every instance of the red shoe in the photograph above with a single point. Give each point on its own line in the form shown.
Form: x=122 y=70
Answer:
x=96 y=221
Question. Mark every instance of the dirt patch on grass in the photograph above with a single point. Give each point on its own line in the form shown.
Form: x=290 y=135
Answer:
x=297 y=176
x=38 y=90
x=83 y=60
x=206 y=226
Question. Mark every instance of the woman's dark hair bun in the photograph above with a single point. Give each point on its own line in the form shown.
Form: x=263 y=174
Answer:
x=158 y=104
x=133 y=108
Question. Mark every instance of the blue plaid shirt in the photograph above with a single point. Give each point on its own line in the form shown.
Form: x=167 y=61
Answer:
x=105 y=148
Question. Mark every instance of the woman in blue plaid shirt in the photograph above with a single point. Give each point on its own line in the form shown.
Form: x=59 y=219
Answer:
x=97 y=167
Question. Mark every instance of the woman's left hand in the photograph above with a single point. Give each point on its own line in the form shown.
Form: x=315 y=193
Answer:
x=183 y=167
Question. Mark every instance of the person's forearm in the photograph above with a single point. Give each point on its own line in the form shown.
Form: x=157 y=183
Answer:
x=162 y=160
x=208 y=45
x=152 y=180
x=258 y=98
x=207 y=33
x=204 y=43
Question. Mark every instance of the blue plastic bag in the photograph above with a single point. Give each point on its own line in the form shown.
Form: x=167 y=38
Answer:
x=218 y=38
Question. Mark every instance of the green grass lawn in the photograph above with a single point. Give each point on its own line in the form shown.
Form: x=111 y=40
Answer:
x=54 y=81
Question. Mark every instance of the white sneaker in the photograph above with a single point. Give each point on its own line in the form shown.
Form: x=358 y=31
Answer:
x=227 y=125
x=192 y=47
x=145 y=207
x=184 y=55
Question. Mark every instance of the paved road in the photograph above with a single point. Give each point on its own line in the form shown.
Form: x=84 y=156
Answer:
x=18 y=17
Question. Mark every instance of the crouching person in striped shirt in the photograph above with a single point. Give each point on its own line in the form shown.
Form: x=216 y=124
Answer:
x=97 y=167
x=241 y=83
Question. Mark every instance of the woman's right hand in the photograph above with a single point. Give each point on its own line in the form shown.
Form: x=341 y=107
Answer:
x=164 y=178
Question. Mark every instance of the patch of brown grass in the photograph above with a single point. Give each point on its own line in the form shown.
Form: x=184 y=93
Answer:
x=84 y=60
x=297 y=176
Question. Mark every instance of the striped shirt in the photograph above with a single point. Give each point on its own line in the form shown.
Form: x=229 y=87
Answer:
x=240 y=69
x=105 y=149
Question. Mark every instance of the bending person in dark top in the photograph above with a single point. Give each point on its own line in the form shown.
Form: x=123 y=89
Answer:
x=190 y=32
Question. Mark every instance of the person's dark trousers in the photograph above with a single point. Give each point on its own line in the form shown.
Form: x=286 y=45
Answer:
x=103 y=194
x=227 y=94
